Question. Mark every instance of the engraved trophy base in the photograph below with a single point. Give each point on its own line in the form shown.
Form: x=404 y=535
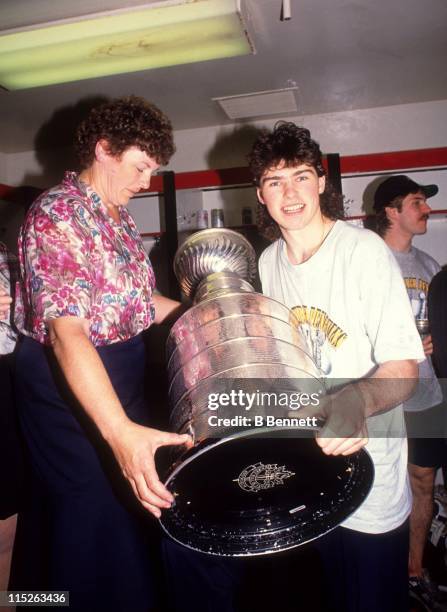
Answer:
x=237 y=497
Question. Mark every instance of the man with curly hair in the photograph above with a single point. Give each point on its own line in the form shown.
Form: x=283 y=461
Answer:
x=322 y=264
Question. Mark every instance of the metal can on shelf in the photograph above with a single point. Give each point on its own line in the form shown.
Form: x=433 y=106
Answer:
x=202 y=219
x=217 y=217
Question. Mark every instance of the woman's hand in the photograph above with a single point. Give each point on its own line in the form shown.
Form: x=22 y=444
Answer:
x=134 y=447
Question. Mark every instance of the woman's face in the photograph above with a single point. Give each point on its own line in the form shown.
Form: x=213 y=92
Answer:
x=124 y=176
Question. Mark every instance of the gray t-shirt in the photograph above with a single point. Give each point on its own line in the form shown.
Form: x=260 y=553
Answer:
x=418 y=268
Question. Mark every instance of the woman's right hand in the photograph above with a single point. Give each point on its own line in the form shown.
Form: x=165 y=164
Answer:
x=134 y=447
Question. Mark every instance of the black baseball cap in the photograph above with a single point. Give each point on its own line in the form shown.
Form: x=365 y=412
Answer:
x=399 y=185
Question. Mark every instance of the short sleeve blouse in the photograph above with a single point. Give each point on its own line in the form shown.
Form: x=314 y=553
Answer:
x=76 y=261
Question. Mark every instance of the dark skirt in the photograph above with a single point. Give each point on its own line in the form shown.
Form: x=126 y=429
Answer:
x=82 y=530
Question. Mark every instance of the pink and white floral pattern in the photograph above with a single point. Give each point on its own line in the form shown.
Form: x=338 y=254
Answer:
x=76 y=261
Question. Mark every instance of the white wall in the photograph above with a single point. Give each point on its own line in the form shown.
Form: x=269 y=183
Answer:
x=434 y=241
x=359 y=189
x=374 y=130
x=27 y=168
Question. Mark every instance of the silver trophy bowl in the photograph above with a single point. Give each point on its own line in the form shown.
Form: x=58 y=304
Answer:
x=214 y=254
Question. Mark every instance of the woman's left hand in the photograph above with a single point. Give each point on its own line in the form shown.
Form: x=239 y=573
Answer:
x=134 y=447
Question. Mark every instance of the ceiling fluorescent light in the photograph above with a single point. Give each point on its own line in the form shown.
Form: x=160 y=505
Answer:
x=259 y=103
x=123 y=41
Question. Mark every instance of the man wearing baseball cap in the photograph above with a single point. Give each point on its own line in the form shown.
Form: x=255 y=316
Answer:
x=402 y=213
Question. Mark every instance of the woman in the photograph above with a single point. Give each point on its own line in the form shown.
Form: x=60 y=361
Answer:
x=88 y=294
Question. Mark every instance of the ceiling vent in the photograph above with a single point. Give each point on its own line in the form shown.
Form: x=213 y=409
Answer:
x=260 y=103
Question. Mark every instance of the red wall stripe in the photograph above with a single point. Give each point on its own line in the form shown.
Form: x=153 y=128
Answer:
x=6 y=192
x=379 y=162
x=351 y=164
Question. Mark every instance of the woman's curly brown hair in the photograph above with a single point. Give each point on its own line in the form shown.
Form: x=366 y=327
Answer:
x=123 y=123
x=292 y=145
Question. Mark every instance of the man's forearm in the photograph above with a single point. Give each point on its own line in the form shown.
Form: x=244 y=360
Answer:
x=391 y=384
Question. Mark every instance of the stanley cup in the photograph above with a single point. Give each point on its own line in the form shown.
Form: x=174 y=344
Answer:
x=231 y=332
x=241 y=491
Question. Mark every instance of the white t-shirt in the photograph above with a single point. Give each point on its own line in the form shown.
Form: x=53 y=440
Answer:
x=355 y=313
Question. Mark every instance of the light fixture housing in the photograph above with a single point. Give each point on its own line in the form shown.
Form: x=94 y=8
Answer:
x=260 y=103
x=163 y=34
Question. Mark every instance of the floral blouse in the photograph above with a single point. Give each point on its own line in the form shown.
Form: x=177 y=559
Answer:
x=76 y=261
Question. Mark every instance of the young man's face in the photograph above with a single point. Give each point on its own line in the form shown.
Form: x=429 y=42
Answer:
x=412 y=219
x=292 y=195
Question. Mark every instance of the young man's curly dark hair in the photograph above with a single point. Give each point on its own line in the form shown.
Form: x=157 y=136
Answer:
x=123 y=123
x=293 y=145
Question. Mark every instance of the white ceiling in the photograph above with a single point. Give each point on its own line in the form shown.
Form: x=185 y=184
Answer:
x=342 y=54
